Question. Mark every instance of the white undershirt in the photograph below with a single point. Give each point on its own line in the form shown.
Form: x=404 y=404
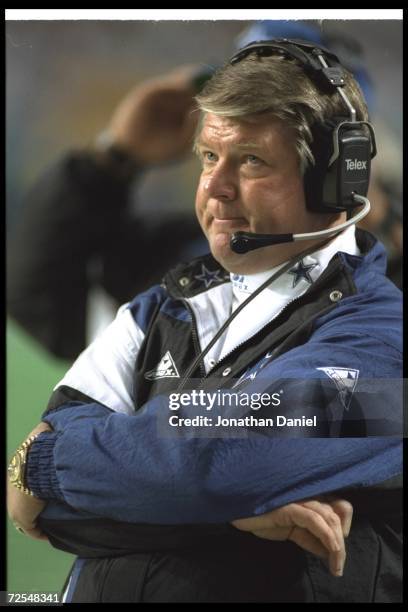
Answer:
x=271 y=301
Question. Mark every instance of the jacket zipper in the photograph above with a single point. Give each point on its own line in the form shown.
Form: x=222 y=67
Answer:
x=228 y=355
x=255 y=335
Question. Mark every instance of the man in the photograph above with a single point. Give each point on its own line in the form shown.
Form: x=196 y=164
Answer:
x=324 y=329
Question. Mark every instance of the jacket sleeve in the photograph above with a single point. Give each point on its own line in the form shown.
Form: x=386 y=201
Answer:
x=138 y=468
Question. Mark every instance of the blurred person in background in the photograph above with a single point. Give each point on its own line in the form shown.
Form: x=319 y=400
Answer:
x=77 y=230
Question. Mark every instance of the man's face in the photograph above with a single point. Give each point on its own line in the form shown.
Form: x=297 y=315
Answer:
x=250 y=181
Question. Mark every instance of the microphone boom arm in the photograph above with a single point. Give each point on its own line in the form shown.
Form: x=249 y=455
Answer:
x=242 y=242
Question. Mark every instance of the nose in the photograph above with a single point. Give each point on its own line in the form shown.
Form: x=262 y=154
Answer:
x=221 y=185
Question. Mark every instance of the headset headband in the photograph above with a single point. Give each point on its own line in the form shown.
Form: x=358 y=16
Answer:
x=306 y=53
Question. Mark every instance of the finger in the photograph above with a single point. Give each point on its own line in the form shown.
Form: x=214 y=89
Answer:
x=332 y=519
x=344 y=510
x=304 y=539
x=336 y=562
x=280 y=517
x=290 y=516
x=299 y=536
x=307 y=541
x=337 y=558
x=315 y=523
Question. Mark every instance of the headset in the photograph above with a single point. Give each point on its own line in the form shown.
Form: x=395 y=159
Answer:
x=342 y=146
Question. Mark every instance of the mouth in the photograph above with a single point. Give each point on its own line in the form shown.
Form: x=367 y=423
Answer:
x=229 y=225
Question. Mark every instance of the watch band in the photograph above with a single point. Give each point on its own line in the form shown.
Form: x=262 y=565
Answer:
x=17 y=466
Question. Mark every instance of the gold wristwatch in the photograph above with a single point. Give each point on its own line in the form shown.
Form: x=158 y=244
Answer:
x=17 y=466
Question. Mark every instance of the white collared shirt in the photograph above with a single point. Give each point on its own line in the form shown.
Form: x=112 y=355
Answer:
x=271 y=301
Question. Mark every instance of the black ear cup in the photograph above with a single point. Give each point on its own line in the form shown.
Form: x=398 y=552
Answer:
x=342 y=153
x=316 y=174
x=353 y=164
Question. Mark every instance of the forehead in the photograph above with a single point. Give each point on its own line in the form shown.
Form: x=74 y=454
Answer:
x=256 y=131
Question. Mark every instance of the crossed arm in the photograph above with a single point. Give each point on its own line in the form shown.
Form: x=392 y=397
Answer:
x=319 y=526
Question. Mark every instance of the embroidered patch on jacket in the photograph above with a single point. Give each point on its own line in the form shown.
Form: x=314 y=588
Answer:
x=208 y=276
x=345 y=381
x=166 y=368
x=251 y=373
x=301 y=271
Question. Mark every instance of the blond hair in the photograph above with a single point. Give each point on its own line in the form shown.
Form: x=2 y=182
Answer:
x=278 y=86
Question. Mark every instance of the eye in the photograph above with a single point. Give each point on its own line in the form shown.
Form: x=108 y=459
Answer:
x=253 y=160
x=208 y=157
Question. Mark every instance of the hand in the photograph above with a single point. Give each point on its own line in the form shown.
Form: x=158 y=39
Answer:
x=316 y=526
x=24 y=509
x=156 y=121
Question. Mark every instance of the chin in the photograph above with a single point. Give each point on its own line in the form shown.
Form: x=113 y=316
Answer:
x=245 y=265
x=248 y=263
x=232 y=262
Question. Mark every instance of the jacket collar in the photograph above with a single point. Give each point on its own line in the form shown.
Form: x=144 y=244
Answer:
x=202 y=273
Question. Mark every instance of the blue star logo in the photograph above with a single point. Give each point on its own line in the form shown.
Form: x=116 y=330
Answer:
x=301 y=271
x=208 y=277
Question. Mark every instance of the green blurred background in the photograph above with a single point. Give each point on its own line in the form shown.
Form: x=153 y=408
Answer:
x=31 y=374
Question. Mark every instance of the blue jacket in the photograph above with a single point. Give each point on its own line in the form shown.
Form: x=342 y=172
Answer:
x=334 y=354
